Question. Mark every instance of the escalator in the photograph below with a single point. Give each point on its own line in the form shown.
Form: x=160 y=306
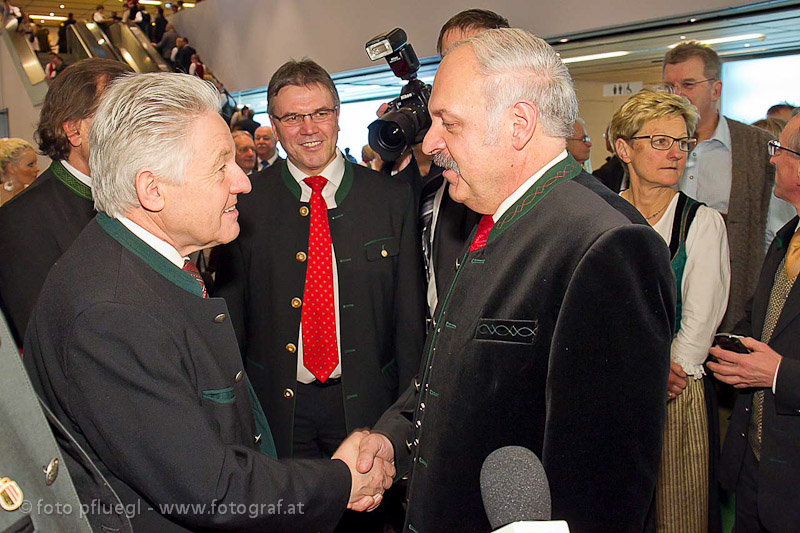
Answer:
x=114 y=41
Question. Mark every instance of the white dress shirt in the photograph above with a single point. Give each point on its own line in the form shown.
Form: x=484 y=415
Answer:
x=334 y=173
x=704 y=287
x=157 y=244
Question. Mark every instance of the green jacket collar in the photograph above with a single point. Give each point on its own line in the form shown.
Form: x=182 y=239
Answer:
x=71 y=182
x=564 y=170
x=117 y=231
x=341 y=192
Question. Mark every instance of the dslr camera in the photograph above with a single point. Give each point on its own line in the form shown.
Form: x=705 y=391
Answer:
x=407 y=120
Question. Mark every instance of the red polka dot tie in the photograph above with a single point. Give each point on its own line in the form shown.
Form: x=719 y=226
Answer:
x=191 y=269
x=320 y=355
x=484 y=227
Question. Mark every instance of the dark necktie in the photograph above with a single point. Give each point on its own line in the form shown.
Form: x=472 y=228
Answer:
x=318 y=319
x=191 y=269
x=484 y=227
x=264 y=164
x=429 y=191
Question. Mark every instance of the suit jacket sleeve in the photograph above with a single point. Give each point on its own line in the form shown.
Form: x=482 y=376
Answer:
x=607 y=376
x=133 y=396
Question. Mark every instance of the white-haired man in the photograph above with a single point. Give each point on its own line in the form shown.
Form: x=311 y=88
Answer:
x=133 y=357
x=555 y=333
x=265 y=147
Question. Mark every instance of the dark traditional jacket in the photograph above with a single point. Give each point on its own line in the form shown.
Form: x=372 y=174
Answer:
x=556 y=337
x=147 y=374
x=779 y=468
x=374 y=234
x=38 y=225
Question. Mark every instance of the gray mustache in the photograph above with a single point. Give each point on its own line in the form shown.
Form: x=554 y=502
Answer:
x=446 y=162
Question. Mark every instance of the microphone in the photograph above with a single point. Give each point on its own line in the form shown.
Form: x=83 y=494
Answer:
x=516 y=494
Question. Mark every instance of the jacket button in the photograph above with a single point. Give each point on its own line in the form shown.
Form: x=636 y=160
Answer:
x=304 y=211
x=421 y=406
x=416 y=384
x=51 y=471
x=300 y=256
x=239 y=376
x=220 y=318
x=384 y=253
x=418 y=423
x=288 y=393
x=296 y=302
x=291 y=348
x=743 y=435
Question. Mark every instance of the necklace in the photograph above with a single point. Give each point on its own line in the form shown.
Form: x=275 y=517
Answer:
x=654 y=215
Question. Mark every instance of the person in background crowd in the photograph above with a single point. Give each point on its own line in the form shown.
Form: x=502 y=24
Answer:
x=612 y=172
x=159 y=25
x=132 y=356
x=183 y=57
x=772 y=124
x=522 y=352
x=265 y=147
x=99 y=16
x=761 y=458
x=18 y=168
x=197 y=68
x=326 y=274
x=52 y=213
x=246 y=123
x=370 y=159
x=652 y=133
x=238 y=115
x=579 y=145
x=166 y=44
x=728 y=170
x=55 y=67
x=782 y=111
x=245 y=151
x=63 y=42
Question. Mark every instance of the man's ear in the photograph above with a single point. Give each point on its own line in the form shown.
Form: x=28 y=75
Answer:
x=524 y=123
x=623 y=150
x=72 y=129
x=150 y=191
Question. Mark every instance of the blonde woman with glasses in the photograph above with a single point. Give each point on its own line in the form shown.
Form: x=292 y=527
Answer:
x=653 y=135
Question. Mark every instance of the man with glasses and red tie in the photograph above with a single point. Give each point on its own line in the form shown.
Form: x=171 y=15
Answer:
x=761 y=458
x=324 y=282
x=728 y=171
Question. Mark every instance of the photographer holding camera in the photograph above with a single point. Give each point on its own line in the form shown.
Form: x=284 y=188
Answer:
x=445 y=225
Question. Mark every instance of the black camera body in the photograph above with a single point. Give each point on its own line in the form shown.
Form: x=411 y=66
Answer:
x=407 y=120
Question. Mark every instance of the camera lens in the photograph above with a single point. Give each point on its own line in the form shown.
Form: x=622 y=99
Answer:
x=391 y=137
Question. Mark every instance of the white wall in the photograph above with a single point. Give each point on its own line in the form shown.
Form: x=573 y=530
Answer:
x=245 y=41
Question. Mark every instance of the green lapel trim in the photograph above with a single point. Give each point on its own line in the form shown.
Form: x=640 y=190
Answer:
x=267 y=444
x=346 y=184
x=341 y=192
x=155 y=260
x=71 y=182
x=289 y=181
x=562 y=171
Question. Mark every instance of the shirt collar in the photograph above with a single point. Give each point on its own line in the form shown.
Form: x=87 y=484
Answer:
x=722 y=134
x=159 y=245
x=517 y=194
x=333 y=172
x=83 y=178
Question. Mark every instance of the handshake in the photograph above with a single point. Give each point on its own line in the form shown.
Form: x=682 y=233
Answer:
x=370 y=458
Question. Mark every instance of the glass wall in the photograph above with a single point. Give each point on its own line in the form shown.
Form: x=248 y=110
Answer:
x=752 y=86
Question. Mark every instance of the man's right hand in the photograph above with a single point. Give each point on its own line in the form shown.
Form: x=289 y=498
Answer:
x=366 y=487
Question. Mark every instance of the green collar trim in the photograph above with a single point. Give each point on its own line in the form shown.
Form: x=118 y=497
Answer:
x=71 y=182
x=562 y=171
x=341 y=192
x=117 y=231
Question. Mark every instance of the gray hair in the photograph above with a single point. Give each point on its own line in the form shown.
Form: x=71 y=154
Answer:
x=239 y=133
x=143 y=122
x=519 y=66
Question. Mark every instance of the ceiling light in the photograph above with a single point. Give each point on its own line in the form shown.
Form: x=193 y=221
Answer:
x=731 y=39
x=188 y=4
x=683 y=37
x=593 y=57
x=52 y=14
x=747 y=45
x=61 y=6
x=47 y=17
x=151 y=2
x=563 y=40
x=692 y=20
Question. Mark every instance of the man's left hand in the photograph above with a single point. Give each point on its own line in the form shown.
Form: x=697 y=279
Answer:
x=743 y=370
